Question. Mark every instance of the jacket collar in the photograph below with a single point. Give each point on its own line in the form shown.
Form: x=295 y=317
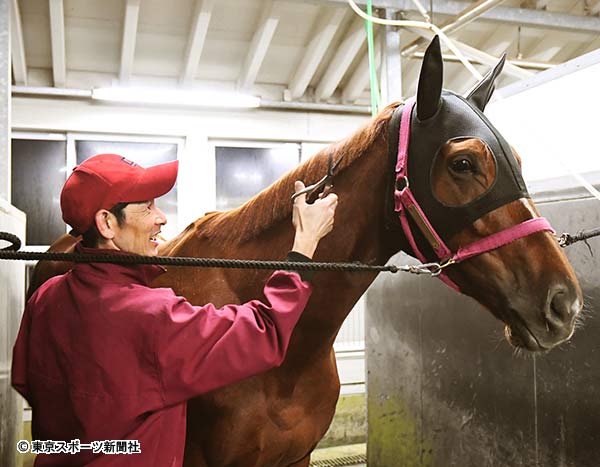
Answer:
x=142 y=274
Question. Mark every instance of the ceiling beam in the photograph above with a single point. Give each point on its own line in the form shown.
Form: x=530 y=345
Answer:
x=526 y=64
x=498 y=42
x=360 y=79
x=544 y=50
x=567 y=52
x=260 y=44
x=457 y=22
x=57 y=37
x=535 y=4
x=592 y=8
x=480 y=56
x=523 y=16
x=588 y=47
x=196 y=39
x=19 y=64
x=327 y=25
x=495 y=44
x=345 y=54
x=130 y=24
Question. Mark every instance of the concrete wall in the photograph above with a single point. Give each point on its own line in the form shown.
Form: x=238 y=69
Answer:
x=12 y=299
x=445 y=390
x=349 y=425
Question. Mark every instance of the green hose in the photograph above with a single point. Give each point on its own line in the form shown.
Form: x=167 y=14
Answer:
x=375 y=96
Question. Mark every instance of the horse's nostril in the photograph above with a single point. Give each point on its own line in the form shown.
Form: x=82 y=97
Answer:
x=559 y=312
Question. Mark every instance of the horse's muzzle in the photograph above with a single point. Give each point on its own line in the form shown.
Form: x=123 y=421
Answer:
x=538 y=332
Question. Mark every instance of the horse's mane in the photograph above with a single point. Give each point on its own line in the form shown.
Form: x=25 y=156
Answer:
x=274 y=202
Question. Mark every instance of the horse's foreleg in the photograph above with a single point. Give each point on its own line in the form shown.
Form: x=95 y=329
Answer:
x=194 y=456
x=304 y=462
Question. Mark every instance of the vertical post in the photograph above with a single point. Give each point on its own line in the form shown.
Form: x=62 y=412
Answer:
x=391 y=88
x=5 y=77
x=12 y=276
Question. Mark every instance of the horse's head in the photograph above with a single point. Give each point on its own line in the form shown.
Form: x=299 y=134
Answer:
x=467 y=195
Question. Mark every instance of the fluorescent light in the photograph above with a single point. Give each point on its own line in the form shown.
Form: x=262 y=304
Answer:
x=176 y=97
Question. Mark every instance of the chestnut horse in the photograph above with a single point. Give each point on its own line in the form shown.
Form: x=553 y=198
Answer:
x=275 y=419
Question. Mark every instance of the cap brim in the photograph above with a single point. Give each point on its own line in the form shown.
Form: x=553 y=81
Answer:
x=155 y=182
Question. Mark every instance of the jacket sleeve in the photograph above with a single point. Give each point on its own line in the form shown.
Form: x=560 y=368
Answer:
x=19 y=358
x=199 y=349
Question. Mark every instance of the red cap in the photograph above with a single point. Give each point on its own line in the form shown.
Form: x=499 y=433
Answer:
x=104 y=180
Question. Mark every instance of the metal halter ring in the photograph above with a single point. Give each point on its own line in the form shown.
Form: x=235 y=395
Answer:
x=431 y=269
x=406 y=183
x=437 y=268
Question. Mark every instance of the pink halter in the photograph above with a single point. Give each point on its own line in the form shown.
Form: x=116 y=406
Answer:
x=406 y=202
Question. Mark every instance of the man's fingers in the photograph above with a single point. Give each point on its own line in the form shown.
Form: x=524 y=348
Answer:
x=330 y=199
x=298 y=186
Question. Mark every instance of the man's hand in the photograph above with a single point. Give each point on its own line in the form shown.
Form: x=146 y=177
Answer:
x=312 y=221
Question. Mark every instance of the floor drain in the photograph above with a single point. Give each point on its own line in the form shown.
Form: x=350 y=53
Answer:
x=340 y=461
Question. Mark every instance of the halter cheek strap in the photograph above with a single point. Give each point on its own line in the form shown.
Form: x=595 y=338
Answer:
x=405 y=202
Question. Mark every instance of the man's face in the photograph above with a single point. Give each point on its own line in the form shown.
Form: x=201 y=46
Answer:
x=138 y=233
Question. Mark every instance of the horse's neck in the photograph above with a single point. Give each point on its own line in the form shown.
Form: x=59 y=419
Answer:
x=358 y=235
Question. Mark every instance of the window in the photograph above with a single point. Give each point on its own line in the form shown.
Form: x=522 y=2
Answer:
x=41 y=164
x=145 y=154
x=243 y=171
x=38 y=174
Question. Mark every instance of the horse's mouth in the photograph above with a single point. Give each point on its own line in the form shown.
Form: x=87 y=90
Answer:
x=519 y=335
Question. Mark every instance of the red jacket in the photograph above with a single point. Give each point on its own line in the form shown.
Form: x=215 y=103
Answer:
x=102 y=356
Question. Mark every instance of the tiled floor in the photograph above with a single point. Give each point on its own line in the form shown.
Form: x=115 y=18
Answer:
x=335 y=456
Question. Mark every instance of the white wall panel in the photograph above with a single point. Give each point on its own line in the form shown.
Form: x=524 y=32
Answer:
x=552 y=119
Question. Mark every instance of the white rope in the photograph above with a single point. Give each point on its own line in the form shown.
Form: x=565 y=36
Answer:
x=420 y=25
x=422 y=10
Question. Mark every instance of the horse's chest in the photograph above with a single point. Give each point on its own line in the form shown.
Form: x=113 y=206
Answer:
x=272 y=420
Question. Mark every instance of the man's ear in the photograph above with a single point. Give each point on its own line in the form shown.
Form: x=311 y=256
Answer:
x=105 y=223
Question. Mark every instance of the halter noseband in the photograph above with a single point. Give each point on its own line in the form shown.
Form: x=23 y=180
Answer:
x=404 y=201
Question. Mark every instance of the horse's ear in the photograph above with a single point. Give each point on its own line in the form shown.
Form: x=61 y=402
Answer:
x=429 y=90
x=483 y=91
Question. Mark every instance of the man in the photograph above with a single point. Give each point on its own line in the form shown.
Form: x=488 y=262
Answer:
x=101 y=356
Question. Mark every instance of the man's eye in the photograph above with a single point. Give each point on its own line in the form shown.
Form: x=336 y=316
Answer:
x=461 y=165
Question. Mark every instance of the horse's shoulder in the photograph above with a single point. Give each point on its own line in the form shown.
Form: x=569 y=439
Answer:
x=45 y=270
x=65 y=244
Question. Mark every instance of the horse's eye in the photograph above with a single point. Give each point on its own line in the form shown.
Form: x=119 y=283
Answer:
x=461 y=165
